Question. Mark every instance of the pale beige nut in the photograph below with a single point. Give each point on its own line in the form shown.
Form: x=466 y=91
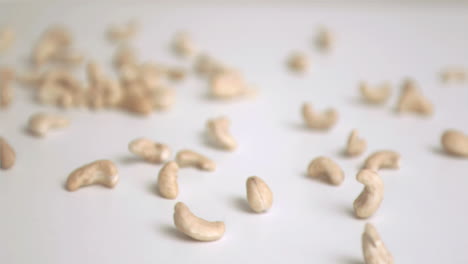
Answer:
x=7 y=76
x=384 y=159
x=60 y=88
x=68 y=57
x=326 y=169
x=228 y=85
x=375 y=95
x=149 y=74
x=53 y=41
x=103 y=172
x=454 y=75
x=163 y=98
x=7 y=37
x=298 y=62
x=367 y=203
x=125 y=56
x=195 y=227
x=218 y=131
x=455 y=142
x=176 y=73
x=355 y=145
x=188 y=158
x=122 y=33
x=7 y=155
x=149 y=150
x=138 y=103
x=412 y=100
x=167 y=180
x=325 y=40
x=183 y=45
x=41 y=123
x=373 y=248
x=259 y=195
x=320 y=121
x=207 y=66
x=103 y=91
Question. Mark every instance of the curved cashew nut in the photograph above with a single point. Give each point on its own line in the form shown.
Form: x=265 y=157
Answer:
x=355 y=145
x=323 y=167
x=455 y=143
x=7 y=155
x=298 y=62
x=149 y=150
x=229 y=84
x=40 y=123
x=102 y=172
x=195 y=227
x=7 y=75
x=373 y=248
x=385 y=159
x=322 y=121
x=218 y=130
x=371 y=197
x=167 y=180
x=377 y=95
x=259 y=195
x=189 y=158
x=412 y=100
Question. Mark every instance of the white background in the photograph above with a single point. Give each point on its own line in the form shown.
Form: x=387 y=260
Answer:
x=422 y=219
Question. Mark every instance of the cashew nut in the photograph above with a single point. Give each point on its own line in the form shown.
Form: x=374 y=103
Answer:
x=376 y=95
x=373 y=248
x=298 y=62
x=167 y=180
x=162 y=98
x=124 y=32
x=371 y=197
x=40 y=123
x=218 y=130
x=454 y=74
x=53 y=41
x=195 y=227
x=259 y=195
x=189 y=158
x=103 y=172
x=321 y=121
x=326 y=169
x=183 y=45
x=325 y=40
x=7 y=36
x=207 y=66
x=385 y=159
x=355 y=145
x=412 y=100
x=6 y=91
x=7 y=155
x=455 y=143
x=149 y=150
x=229 y=84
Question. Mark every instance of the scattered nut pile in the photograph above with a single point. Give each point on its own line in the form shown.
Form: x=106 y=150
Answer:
x=144 y=87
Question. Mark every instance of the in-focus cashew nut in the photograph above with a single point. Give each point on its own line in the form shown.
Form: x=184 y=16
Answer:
x=326 y=169
x=259 y=195
x=189 y=158
x=7 y=155
x=195 y=227
x=149 y=150
x=373 y=248
x=321 y=121
x=375 y=95
x=371 y=197
x=455 y=143
x=103 y=172
x=39 y=124
x=355 y=145
x=167 y=180
x=384 y=159
x=218 y=130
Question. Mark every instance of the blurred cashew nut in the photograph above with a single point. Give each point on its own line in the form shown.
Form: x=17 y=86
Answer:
x=455 y=142
x=320 y=121
x=39 y=124
x=384 y=159
x=355 y=145
x=218 y=130
x=326 y=169
x=373 y=248
x=375 y=95
x=189 y=158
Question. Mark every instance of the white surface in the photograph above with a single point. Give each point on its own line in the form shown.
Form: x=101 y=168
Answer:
x=422 y=219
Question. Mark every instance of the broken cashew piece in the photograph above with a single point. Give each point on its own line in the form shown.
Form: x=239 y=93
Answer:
x=321 y=121
x=167 y=180
x=39 y=124
x=325 y=40
x=355 y=145
x=183 y=45
x=375 y=95
x=385 y=159
x=455 y=143
x=326 y=169
x=103 y=172
x=454 y=74
x=259 y=195
x=7 y=76
x=195 y=227
x=218 y=130
x=367 y=203
x=149 y=150
x=7 y=155
x=298 y=62
x=373 y=248
x=412 y=100
x=189 y=158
